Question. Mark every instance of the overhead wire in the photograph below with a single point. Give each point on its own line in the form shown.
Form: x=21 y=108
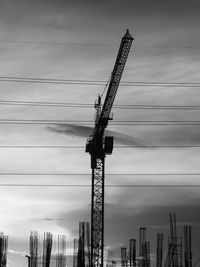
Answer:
x=48 y=104
x=108 y=185
x=88 y=82
x=90 y=123
x=87 y=174
x=99 y=44
x=82 y=147
x=106 y=85
x=96 y=82
x=89 y=105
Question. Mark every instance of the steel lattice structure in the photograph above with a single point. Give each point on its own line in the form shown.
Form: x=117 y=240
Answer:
x=97 y=212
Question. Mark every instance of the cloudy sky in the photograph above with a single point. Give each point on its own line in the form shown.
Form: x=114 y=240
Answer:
x=79 y=40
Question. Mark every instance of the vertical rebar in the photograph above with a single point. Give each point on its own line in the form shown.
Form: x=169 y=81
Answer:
x=3 y=249
x=159 y=253
x=123 y=257
x=187 y=246
x=142 y=240
x=132 y=252
x=33 y=247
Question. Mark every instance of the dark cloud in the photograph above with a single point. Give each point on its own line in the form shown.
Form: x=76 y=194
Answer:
x=85 y=131
x=172 y=135
x=69 y=129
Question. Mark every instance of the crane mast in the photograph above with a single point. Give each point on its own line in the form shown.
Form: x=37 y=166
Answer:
x=98 y=146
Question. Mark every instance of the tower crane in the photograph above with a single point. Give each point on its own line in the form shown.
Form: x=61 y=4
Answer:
x=98 y=146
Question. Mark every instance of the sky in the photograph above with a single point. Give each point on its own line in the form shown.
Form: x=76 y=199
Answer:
x=79 y=40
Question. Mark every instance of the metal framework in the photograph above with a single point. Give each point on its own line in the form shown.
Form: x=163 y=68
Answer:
x=97 y=213
x=99 y=146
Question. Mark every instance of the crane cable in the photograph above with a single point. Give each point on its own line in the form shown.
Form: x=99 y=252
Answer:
x=106 y=85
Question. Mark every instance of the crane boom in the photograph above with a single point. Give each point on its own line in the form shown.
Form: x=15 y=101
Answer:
x=114 y=84
x=98 y=146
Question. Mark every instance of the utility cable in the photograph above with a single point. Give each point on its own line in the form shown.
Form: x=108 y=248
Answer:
x=90 y=123
x=32 y=42
x=109 y=185
x=86 y=174
x=87 y=105
x=82 y=147
x=96 y=82
x=106 y=85
x=48 y=104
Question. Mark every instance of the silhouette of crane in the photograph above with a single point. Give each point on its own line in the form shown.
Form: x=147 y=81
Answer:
x=98 y=146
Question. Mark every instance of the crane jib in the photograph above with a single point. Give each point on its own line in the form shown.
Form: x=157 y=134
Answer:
x=116 y=75
x=114 y=84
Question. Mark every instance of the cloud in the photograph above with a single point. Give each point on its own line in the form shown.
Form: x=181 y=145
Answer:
x=69 y=129
x=173 y=135
x=85 y=131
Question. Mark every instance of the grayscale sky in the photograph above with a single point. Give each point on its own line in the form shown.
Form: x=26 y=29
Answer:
x=79 y=40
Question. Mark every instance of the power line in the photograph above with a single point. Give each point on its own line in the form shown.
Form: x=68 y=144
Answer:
x=87 y=105
x=48 y=104
x=109 y=185
x=88 y=174
x=82 y=147
x=84 y=121
x=168 y=46
x=47 y=81
x=115 y=123
x=95 y=82
x=98 y=44
x=56 y=43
